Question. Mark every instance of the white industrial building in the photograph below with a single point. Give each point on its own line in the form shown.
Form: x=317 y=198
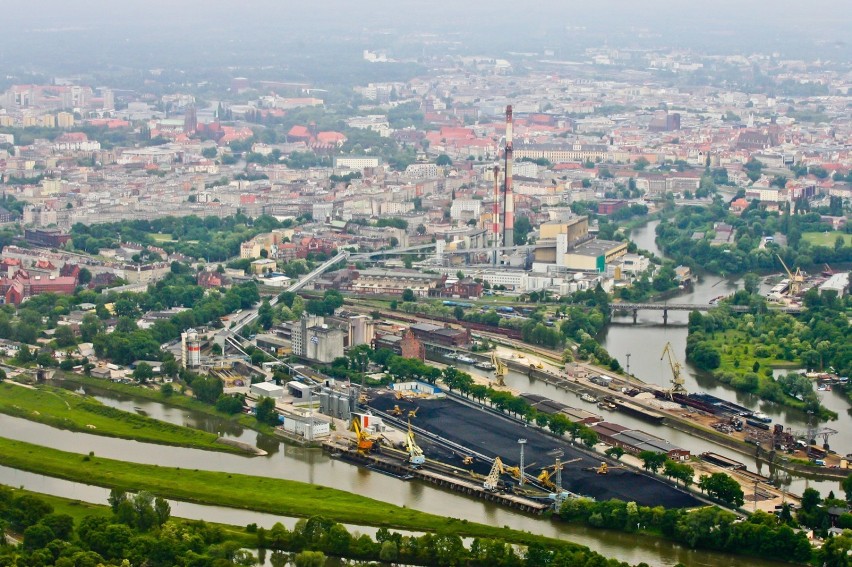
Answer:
x=267 y=390
x=838 y=283
x=304 y=424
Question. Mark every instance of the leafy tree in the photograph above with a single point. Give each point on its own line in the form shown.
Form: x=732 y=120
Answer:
x=265 y=411
x=408 y=295
x=143 y=372
x=652 y=460
x=443 y=160
x=722 y=487
x=229 y=404
x=614 y=452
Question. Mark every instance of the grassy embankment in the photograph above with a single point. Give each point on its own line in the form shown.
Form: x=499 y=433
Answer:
x=274 y=496
x=66 y=410
x=155 y=395
x=826 y=238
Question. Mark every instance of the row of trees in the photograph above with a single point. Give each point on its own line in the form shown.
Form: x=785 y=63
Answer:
x=139 y=530
x=761 y=534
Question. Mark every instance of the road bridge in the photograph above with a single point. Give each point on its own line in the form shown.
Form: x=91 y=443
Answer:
x=666 y=307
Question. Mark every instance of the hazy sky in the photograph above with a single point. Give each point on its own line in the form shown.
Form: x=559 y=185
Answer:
x=58 y=33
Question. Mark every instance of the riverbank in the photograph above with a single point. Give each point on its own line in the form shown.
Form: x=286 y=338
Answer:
x=176 y=399
x=275 y=496
x=67 y=410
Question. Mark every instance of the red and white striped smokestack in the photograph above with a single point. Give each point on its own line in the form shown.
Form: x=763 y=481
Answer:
x=495 y=214
x=508 y=197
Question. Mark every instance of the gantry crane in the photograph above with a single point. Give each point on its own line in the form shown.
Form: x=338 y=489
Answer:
x=412 y=413
x=364 y=440
x=677 y=378
x=500 y=369
x=796 y=279
x=415 y=453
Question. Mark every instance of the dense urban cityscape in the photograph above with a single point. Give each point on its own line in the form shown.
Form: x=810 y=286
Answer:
x=379 y=286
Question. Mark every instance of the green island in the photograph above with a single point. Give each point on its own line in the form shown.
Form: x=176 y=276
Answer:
x=742 y=350
x=66 y=410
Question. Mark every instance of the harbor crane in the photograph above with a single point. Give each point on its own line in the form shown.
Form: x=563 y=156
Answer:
x=415 y=453
x=547 y=474
x=677 y=378
x=363 y=439
x=500 y=369
x=797 y=279
x=491 y=482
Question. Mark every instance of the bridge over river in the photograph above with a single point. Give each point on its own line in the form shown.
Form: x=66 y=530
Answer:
x=666 y=307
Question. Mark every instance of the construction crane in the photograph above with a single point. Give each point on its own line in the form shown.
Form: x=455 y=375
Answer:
x=491 y=482
x=537 y=365
x=796 y=280
x=415 y=453
x=500 y=369
x=363 y=439
x=397 y=411
x=413 y=413
x=677 y=378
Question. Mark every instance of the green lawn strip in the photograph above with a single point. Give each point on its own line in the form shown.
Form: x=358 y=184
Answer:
x=66 y=410
x=78 y=510
x=826 y=238
x=274 y=496
x=174 y=400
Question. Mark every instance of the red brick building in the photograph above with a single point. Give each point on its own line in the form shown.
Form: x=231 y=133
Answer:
x=407 y=345
x=21 y=286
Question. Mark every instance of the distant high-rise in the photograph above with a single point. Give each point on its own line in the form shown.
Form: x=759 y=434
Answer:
x=190 y=120
x=663 y=121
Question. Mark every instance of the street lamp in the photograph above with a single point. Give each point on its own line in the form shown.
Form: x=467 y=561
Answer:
x=628 y=365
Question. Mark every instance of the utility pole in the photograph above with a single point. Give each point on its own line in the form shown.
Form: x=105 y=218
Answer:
x=628 y=365
x=522 y=442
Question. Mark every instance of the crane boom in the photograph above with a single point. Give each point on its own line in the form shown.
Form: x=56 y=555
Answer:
x=415 y=453
x=499 y=369
x=677 y=378
x=491 y=481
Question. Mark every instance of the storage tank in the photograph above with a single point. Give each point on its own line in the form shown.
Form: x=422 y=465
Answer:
x=324 y=403
x=342 y=407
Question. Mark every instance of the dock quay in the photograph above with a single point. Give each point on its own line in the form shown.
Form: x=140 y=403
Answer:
x=387 y=461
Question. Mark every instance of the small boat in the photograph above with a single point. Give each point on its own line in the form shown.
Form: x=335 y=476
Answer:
x=760 y=416
x=465 y=359
x=451 y=355
x=606 y=405
x=484 y=365
x=587 y=397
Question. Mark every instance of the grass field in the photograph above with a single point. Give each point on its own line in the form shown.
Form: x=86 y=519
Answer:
x=826 y=238
x=66 y=410
x=272 y=495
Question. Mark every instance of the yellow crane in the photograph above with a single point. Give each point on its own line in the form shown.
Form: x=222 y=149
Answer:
x=397 y=411
x=677 y=378
x=412 y=413
x=547 y=473
x=491 y=482
x=415 y=453
x=500 y=369
x=796 y=279
x=363 y=439
x=605 y=468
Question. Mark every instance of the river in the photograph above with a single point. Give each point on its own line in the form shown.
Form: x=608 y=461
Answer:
x=644 y=343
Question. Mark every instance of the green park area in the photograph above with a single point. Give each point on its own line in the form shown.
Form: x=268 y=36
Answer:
x=66 y=410
x=826 y=238
x=271 y=495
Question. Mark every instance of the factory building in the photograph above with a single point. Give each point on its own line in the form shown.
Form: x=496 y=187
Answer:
x=266 y=390
x=313 y=339
x=635 y=441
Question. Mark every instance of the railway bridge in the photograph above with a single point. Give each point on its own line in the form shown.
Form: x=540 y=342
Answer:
x=666 y=307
